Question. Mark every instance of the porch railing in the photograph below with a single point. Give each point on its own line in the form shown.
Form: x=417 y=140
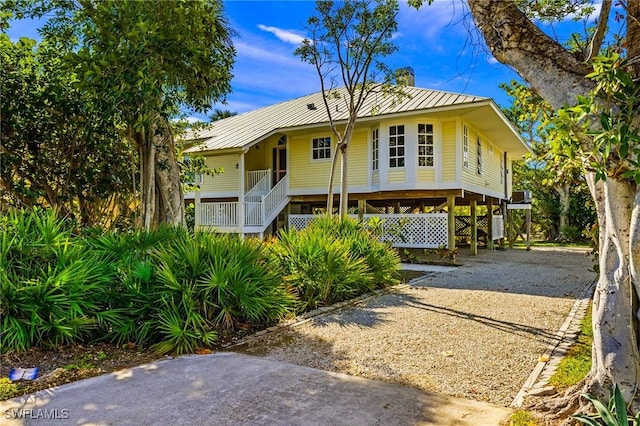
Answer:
x=219 y=214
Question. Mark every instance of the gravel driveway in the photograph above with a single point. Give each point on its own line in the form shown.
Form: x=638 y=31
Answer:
x=475 y=332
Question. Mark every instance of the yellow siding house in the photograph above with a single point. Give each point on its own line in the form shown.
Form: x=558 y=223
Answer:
x=433 y=149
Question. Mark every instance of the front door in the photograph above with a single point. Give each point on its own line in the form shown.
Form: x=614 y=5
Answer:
x=280 y=160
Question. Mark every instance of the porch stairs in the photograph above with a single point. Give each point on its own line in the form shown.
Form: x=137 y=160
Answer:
x=262 y=204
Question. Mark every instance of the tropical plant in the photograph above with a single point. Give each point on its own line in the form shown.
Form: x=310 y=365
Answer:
x=612 y=414
x=52 y=287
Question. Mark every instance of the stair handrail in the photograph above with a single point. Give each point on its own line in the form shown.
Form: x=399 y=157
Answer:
x=253 y=195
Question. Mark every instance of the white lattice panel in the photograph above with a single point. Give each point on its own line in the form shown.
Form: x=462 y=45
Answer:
x=401 y=230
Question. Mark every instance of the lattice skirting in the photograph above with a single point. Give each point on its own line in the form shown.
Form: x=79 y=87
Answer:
x=401 y=230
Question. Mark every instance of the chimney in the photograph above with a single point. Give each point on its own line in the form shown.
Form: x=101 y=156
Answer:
x=410 y=75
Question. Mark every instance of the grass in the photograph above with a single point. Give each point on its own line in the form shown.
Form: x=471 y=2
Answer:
x=522 y=418
x=8 y=389
x=577 y=362
x=541 y=243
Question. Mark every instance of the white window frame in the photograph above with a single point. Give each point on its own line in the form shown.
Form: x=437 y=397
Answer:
x=426 y=140
x=465 y=146
x=375 y=149
x=397 y=146
x=321 y=153
x=479 y=145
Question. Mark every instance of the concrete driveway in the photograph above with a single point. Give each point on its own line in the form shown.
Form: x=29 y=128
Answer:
x=237 y=389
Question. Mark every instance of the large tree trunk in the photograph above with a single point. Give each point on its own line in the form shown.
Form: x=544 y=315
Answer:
x=161 y=199
x=168 y=186
x=557 y=76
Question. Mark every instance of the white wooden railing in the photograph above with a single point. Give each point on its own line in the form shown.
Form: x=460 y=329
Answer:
x=256 y=177
x=275 y=197
x=253 y=214
x=219 y=214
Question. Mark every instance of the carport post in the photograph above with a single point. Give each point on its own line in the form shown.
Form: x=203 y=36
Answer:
x=474 y=228
x=451 y=222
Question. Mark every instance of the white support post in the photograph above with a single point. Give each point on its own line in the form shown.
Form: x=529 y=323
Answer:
x=198 y=210
x=241 y=195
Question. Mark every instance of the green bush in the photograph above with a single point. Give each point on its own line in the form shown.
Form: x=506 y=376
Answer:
x=212 y=280
x=51 y=285
x=332 y=260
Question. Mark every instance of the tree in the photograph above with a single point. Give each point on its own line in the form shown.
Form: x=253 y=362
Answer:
x=600 y=101
x=219 y=114
x=347 y=45
x=144 y=60
x=557 y=182
x=57 y=150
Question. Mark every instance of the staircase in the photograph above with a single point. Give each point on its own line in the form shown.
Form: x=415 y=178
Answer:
x=262 y=204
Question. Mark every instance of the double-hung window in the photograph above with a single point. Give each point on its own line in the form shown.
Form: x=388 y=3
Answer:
x=425 y=145
x=479 y=143
x=375 y=149
x=321 y=148
x=465 y=147
x=396 y=146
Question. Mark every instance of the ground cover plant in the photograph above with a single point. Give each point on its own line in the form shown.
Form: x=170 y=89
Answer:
x=332 y=260
x=171 y=289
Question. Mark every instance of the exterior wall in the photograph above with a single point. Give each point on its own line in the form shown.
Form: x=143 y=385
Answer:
x=308 y=176
x=489 y=181
x=226 y=183
x=307 y=173
x=450 y=160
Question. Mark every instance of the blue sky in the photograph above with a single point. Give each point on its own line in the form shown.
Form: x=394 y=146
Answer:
x=438 y=41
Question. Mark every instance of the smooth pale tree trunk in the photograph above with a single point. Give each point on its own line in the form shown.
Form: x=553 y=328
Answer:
x=344 y=175
x=558 y=76
x=332 y=178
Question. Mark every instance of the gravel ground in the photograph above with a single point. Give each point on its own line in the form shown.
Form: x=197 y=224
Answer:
x=475 y=332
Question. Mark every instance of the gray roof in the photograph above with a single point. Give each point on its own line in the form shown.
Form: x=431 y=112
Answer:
x=244 y=130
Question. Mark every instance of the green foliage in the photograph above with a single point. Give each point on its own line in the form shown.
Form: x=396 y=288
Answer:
x=52 y=287
x=557 y=182
x=168 y=288
x=57 y=149
x=612 y=414
x=608 y=116
x=332 y=260
x=8 y=389
x=522 y=418
x=141 y=61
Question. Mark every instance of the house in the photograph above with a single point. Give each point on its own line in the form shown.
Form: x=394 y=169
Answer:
x=408 y=161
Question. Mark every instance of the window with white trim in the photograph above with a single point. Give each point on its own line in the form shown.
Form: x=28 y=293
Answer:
x=465 y=147
x=321 y=148
x=375 y=146
x=396 y=146
x=479 y=143
x=425 y=145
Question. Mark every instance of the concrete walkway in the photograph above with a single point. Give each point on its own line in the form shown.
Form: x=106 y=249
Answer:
x=236 y=389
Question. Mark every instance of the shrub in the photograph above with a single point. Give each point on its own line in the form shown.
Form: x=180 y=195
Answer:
x=51 y=285
x=332 y=260
x=214 y=281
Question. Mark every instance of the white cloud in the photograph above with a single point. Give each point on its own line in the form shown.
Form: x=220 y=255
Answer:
x=597 y=7
x=288 y=36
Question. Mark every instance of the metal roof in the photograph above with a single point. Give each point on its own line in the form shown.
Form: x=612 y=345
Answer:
x=244 y=130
